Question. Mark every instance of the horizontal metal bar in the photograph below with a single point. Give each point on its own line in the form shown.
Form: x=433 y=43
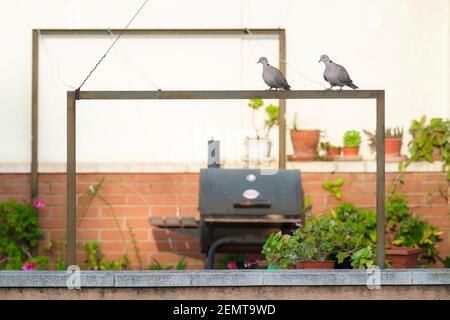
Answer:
x=159 y=31
x=234 y=94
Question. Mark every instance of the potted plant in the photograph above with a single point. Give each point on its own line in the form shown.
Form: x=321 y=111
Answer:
x=259 y=147
x=304 y=142
x=315 y=242
x=352 y=141
x=332 y=151
x=392 y=143
x=411 y=240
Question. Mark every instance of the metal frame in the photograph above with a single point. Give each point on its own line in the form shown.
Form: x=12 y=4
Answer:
x=378 y=95
x=150 y=32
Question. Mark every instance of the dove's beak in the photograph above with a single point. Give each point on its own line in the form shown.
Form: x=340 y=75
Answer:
x=320 y=60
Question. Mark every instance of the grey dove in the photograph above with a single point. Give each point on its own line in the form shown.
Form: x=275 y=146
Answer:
x=273 y=77
x=335 y=74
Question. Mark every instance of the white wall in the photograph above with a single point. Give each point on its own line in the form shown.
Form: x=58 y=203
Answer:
x=401 y=46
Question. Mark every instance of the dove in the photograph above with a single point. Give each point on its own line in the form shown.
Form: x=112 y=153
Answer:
x=336 y=74
x=272 y=76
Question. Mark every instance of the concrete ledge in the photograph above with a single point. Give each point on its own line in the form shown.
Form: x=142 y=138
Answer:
x=223 y=278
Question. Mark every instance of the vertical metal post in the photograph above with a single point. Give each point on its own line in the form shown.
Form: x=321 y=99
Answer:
x=71 y=179
x=282 y=102
x=380 y=250
x=34 y=115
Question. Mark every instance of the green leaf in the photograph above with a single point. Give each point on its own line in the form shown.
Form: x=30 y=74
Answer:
x=339 y=182
x=327 y=185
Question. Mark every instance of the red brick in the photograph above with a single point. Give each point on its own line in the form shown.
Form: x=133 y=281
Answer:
x=151 y=177
x=316 y=177
x=43 y=188
x=364 y=187
x=188 y=199
x=441 y=222
x=189 y=212
x=93 y=223
x=52 y=177
x=433 y=211
x=161 y=199
x=58 y=188
x=111 y=199
x=14 y=178
x=14 y=188
x=313 y=187
x=187 y=246
x=106 y=235
x=87 y=235
x=53 y=200
x=52 y=223
x=18 y=198
x=164 y=212
x=126 y=212
x=137 y=223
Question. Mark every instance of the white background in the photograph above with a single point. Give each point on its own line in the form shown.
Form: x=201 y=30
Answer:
x=401 y=46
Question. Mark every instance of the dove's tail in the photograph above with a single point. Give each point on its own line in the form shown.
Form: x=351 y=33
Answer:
x=286 y=87
x=352 y=85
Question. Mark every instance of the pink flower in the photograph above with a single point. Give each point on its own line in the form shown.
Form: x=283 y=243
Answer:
x=29 y=266
x=232 y=265
x=38 y=204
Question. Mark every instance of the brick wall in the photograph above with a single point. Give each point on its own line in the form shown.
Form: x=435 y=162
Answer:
x=135 y=197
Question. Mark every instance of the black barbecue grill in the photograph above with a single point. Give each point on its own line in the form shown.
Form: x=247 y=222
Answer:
x=239 y=208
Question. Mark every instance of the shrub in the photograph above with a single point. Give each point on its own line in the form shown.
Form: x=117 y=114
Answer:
x=19 y=234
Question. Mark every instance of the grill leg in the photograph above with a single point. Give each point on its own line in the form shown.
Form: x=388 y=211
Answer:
x=230 y=240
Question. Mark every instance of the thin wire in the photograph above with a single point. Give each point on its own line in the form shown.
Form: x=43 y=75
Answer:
x=112 y=45
x=58 y=66
x=127 y=59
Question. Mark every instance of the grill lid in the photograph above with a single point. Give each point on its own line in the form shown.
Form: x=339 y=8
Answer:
x=250 y=192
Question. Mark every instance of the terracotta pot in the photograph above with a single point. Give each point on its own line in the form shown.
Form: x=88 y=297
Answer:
x=327 y=264
x=351 y=151
x=392 y=146
x=305 y=144
x=402 y=258
x=334 y=151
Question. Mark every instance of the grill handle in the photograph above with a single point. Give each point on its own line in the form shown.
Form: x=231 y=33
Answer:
x=252 y=204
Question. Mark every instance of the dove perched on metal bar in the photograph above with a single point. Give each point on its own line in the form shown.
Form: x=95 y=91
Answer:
x=335 y=74
x=273 y=77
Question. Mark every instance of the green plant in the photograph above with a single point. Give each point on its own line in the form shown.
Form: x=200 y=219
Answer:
x=95 y=262
x=352 y=138
x=317 y=239
x=272 y=113
x=363 y=258
x=393 y=133
x=326 y=146
x=294 y=122
x=447 y=262
x=279 y=250
x=389 y=133
x=19 y=234
x=334 y=187
x=407 y=230
x=427 y=138
x=181 y=264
